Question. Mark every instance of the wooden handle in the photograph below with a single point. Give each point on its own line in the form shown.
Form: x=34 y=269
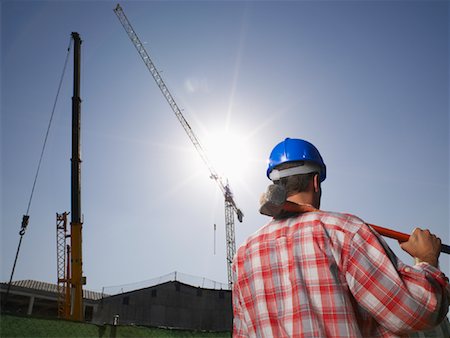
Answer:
x=401 y=237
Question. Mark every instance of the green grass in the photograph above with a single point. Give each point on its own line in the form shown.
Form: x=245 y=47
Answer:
x=14 y=326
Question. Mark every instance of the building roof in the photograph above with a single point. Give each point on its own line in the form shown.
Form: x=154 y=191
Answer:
x=53 y=288
x=195 y=281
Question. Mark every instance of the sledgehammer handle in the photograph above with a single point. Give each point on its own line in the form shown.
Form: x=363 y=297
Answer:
x=401 y=237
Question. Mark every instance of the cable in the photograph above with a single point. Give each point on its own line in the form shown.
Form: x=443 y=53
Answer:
x=26 y=217
x=49 y=125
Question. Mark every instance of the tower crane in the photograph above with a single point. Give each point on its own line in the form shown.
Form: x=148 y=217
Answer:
x=230 y=205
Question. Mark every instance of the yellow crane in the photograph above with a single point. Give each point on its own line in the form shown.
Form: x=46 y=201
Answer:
x=76 y=280
x=230 y=204
x=69 y=257
x=70 y=278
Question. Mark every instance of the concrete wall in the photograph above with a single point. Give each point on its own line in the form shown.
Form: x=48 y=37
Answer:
x=172 y=304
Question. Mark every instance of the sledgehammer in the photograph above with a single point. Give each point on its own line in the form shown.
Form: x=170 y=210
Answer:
x=273 y=203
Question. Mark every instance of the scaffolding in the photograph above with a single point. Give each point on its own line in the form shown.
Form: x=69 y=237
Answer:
x=63 y=265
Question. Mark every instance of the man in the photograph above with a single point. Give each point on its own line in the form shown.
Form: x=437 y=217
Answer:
x=323 y=274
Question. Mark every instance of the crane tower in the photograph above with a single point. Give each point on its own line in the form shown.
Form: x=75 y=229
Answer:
x=230 y=205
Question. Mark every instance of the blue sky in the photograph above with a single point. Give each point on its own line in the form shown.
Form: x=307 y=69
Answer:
x=367 y=82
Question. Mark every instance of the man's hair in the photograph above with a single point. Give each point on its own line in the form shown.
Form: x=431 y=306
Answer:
x=296 y=183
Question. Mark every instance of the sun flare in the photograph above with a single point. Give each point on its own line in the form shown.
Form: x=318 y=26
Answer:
x=229 y=153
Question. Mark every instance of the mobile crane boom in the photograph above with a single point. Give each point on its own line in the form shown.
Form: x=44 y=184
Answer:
x=230 y=204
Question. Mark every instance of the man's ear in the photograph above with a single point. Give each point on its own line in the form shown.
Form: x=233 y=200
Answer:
x=316 y=181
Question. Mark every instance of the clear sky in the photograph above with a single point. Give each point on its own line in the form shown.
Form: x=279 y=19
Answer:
x=367 y=82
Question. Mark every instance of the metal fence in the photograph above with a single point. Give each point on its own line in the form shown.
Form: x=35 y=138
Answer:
x=195 y=281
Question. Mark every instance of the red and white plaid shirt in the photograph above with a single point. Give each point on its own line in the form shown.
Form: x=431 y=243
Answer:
x=322 y=274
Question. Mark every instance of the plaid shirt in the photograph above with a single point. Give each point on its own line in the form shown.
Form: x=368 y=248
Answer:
x=322 y=274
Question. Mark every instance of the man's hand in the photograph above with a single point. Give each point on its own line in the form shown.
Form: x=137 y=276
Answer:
x=423 y=246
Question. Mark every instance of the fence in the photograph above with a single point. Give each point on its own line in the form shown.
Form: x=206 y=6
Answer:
x=195 y=281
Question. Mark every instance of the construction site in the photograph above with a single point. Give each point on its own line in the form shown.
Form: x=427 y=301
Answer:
x=134 y=148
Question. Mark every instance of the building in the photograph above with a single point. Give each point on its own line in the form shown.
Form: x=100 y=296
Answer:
x=172 y=301
x=40 y=299
x=172 y=304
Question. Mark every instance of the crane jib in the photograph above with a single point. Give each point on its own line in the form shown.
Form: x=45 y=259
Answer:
x=230 y=205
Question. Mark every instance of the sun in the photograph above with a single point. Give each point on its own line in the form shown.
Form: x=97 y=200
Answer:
x=228 y=152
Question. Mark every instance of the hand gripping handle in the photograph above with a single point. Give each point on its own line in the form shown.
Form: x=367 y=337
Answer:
x=401 y=237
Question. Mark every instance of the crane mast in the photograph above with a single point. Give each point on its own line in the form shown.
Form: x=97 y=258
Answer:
x=77 y=280
x=230 y=204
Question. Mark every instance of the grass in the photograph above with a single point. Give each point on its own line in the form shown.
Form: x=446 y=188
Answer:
x=31 y=327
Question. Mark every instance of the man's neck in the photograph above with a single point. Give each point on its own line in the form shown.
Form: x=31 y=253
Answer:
x=304 y=198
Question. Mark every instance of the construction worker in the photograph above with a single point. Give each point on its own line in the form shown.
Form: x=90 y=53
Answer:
x=325 y=274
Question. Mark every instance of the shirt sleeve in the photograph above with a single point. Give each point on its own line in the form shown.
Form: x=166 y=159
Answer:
x=239 y=324
x=440 y=331
x=401 y=298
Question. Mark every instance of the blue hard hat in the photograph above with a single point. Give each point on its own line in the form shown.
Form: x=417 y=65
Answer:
x=293 y=150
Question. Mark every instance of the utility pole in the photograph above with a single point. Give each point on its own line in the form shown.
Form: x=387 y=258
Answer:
x=77 y=280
